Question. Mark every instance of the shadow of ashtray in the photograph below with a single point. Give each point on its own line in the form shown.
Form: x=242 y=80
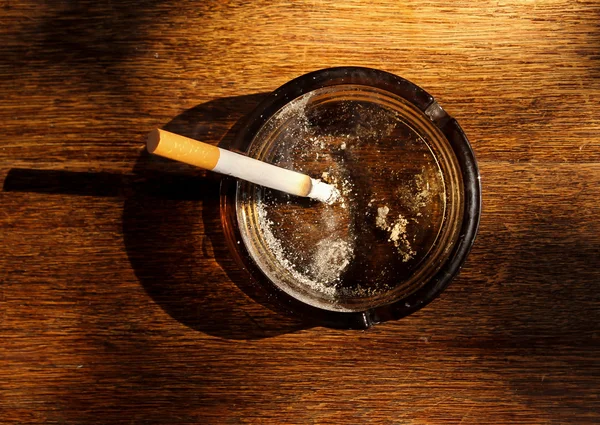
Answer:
x=172 y=230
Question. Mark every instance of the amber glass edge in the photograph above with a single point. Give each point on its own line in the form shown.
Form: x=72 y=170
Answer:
x=448 y=126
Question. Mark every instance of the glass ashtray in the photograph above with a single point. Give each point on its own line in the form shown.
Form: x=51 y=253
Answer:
x=409 y=204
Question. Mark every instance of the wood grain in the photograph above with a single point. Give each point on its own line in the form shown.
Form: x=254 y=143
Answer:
x=94 y=330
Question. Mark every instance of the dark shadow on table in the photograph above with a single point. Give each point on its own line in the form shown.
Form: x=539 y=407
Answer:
x=545 y=305
x=172 y=229
x=87 y=41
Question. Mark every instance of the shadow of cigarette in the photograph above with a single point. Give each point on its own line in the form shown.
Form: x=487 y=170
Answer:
x=172 y=230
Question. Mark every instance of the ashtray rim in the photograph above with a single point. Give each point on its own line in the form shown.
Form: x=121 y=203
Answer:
x=445 y=123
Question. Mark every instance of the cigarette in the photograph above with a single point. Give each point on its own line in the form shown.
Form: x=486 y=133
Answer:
x=209 y=157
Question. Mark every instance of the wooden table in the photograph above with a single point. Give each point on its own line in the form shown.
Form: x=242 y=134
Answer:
x=119 y=301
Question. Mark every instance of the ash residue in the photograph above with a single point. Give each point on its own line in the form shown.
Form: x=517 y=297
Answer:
x=397 y=231
x=358 y=246
x=319 y=269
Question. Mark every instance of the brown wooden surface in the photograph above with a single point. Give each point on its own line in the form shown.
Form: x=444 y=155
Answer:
x=119 y=301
